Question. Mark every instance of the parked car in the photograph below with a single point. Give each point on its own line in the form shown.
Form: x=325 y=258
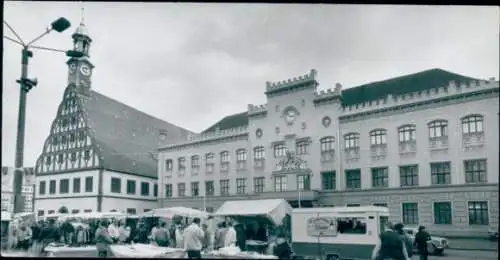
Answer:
x=493 y=233
x=435 y=246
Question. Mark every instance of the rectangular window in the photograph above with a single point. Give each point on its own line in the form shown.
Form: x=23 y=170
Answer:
x=131 y=211
x=475 y=171
x=209 y=164
x=304 y=182
x=410 y=213
x=442 y=213
x=224 y=157
x=75 y=211
x=51 y=212
x=378 y=137
x=258 y=153
x=328 y=180
x=89 y=184
x=41 y=189
x=241 y=186
x=224 y=187
x=351 y=141
x=258 y=184
x=279 y=150
x=87 y=210
x=145 y=188
x=440 y=173
x=380 y=204
x=168 y=190
x=408 y=175
x=407 y=133
x=209 y=188
x=241 y=155
x=353 y=205
x=76 y=185
x=169 y=165
x=155 y=190
x=41 y=213
x=195 y=161
x=131 y=187
x=116 y=185
x=182 y=164
x=52 y=187
x=181 y=189
x=438 y=128
x=302 y=148
x=280 y=183
x=380 y=177
x=353 y=179
x=478 y=213
x=195 y=189
x=345 y=225
x=64 y=186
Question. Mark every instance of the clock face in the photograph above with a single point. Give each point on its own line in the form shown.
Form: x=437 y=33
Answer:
x=72 y=68
x=85 y=70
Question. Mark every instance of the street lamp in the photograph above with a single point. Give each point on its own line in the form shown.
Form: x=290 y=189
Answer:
x=27 y=84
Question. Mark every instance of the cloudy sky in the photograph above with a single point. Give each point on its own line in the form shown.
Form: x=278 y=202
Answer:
x=192 y=64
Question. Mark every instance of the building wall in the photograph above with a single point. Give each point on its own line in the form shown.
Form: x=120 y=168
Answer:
x=123 y=201
x=70 y=200
x=81 y=204
x=451 y=104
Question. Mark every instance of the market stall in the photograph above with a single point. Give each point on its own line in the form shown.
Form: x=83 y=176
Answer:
x=258 y=220
x=5 y=218
x=169 y=213
x=62 y=250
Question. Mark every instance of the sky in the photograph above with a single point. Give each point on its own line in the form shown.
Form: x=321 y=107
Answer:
x=191 y=64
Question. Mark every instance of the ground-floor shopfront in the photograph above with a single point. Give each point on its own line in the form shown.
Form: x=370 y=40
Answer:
x=454 y=210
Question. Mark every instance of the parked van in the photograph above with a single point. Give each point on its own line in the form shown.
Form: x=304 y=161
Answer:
x=337 y=232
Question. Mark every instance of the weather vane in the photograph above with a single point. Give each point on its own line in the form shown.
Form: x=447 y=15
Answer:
x=82 y=10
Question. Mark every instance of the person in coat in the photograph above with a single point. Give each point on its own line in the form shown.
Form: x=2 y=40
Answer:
x=103 y=240
x=161 y=235
x=406 y=238
x=282 y=248
x=230 y=238
x=421 y=239
x=390 y=246
x=193 y=237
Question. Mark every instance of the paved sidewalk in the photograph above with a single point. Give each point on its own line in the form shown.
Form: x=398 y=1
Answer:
x=473 y=244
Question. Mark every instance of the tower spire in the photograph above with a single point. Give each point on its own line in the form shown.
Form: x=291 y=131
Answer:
x=82 y=10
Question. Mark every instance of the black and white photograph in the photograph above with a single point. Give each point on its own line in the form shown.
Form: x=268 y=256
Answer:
x=250 y=130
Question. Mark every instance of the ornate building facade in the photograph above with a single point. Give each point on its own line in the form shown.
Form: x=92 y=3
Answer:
x=100 y=154
x=425 y=145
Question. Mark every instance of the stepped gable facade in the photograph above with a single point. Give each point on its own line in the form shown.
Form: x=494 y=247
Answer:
x=100 y=154
x=425 y=145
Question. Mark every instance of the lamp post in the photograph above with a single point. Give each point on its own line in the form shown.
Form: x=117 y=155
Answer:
x=27 y=84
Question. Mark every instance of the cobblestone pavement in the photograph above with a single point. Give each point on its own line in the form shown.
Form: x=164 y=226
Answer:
x=473 y=244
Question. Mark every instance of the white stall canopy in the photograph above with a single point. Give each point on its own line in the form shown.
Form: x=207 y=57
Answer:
x=176 y=211
x=6 y=216
x=275 y=210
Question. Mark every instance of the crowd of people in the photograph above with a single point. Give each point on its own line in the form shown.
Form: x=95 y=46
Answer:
x=192 y=236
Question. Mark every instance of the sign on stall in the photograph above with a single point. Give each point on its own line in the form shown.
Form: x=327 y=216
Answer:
x=322 y=227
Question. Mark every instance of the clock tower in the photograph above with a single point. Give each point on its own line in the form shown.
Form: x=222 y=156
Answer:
x=80 y=68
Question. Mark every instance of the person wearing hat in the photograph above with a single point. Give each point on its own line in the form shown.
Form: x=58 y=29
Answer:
x=421 y=239
x=102 y=239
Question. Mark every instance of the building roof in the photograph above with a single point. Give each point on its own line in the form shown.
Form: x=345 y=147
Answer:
x=232 y=121
x=126 y=137
x=415 y=82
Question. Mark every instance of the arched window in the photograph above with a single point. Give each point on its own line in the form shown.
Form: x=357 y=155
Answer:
x=224 y=157
x=472 y=124
x=378 y=137
x=407 y=133
x=241 y=155
x=438 y=128
x=195 y=161
x=302 y=147
x=259 y=153
x=327 y=144
x=351 y=140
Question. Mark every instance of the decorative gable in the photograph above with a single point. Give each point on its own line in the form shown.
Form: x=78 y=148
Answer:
x=69 y=145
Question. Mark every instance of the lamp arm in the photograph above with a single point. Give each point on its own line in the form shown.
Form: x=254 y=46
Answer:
x=46 y=48
x=47 y=31
x=12 y=40
x=14 y=32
